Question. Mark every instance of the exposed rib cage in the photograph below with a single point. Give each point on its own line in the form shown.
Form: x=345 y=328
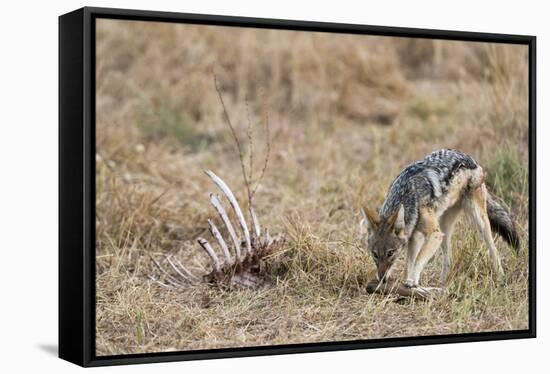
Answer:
x=236 y=264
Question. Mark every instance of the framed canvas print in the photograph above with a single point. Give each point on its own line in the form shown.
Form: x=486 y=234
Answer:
x=236 y=186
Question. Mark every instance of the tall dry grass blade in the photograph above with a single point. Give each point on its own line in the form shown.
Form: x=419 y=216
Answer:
x=267 y=237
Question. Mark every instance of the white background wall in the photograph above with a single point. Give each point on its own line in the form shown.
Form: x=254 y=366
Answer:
x=28 y=183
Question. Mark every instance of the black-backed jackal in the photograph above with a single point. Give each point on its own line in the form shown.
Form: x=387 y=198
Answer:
x=421 y=208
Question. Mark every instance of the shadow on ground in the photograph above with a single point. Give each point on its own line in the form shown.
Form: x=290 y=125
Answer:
x=50 y=349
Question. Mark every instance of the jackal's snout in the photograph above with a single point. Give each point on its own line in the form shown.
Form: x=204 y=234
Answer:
x=383 y=272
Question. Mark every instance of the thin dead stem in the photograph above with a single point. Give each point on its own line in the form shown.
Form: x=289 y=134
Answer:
x=250 y=144
x=267 y=145
x=236 y=139
x=248 y=176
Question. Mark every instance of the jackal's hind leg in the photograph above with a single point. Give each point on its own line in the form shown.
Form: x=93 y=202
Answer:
x=447 y=223
x=476 y=208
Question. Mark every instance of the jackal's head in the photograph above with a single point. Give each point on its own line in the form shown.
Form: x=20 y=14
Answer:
x=384 y=238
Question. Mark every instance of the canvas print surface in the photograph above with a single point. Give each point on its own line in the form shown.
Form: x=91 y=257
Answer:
x=261 y=187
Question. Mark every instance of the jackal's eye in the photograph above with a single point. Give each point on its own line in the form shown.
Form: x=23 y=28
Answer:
x=391 y=252
x=375 y=255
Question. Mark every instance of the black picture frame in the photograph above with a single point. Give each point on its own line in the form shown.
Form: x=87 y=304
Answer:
x=77 y=184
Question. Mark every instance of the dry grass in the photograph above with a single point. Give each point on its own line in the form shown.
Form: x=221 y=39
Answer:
x=347 y=113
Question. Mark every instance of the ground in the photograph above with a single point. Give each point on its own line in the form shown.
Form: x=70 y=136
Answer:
x=346 y=114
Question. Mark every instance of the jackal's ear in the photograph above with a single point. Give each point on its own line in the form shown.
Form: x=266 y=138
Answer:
x=369 y=220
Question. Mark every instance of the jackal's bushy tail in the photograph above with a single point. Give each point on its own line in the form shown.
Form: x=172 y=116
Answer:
x=501 y=222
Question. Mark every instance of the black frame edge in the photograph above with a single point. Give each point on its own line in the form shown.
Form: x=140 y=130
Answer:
x=89 y=152
x=77 y=205
x=532 y=185
x=71 y=333
x=301 y=25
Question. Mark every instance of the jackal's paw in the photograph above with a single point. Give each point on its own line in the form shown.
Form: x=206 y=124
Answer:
x=409 y=283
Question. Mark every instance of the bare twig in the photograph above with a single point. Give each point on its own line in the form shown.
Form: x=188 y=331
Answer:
x=250 y=147
x=267 y=146
x=235 y=138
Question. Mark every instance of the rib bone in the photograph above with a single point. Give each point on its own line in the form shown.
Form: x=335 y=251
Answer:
x=186 y=276
x=223 y=215
x=206 y=246
x=234 y=204
x=189 y=274
x=173 y=281
x=216 y=234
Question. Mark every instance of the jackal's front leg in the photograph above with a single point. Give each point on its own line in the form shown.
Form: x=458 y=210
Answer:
x=415 y=244
x=427 y=251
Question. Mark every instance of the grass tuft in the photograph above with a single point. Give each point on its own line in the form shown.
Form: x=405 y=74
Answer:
x=507 y=176
x=169 y=124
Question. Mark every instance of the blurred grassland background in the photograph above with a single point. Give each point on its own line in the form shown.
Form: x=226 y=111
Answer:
x=347 y=113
